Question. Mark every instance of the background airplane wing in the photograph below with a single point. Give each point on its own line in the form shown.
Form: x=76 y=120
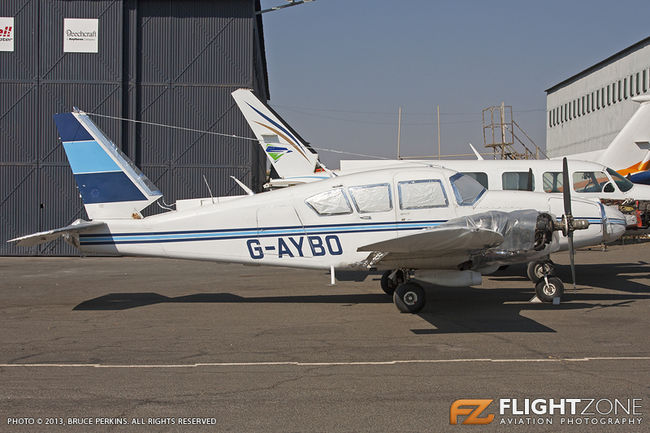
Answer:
x=50 y=235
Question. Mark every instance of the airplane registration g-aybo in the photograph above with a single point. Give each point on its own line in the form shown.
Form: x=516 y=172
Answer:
x=423 y=223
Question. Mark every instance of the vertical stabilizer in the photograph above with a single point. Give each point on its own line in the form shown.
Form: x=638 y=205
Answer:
x=628 y=152
x=111 y=186
x=288 y=154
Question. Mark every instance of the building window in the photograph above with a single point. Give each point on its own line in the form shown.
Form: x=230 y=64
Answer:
x=589 y=108
x=572 y=112
x=582 y=105
x=609 y=94
x=625 y=88
x=631 y=85
x=557 y=116
x=550 y=119
x=645 y=80
x=637 y=83
x=619 y=90
x=602 y=97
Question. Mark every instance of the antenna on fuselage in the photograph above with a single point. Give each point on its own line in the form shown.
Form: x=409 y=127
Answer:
x=208 y=185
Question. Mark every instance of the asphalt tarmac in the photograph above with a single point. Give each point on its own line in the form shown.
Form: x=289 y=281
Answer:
x=167 y=345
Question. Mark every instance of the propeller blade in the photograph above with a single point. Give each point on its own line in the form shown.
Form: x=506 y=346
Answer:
x=572 y=258
x=566 y=188
x=529 y=187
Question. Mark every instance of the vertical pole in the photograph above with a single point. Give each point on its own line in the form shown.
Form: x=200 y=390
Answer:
x=399 y=129
x=332 y=276
x=503 y=129
x=438 y=109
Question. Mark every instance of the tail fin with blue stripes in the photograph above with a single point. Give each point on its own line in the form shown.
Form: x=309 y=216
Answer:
x=111 y=186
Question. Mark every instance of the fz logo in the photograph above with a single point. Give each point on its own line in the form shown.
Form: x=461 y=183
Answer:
x=473 y=408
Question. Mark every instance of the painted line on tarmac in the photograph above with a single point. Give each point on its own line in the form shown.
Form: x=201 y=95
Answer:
x=331 y=364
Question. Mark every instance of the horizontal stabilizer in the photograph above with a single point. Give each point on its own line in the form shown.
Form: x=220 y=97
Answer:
x=68 y=232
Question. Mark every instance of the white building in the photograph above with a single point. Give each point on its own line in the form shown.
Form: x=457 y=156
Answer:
x=586 y=111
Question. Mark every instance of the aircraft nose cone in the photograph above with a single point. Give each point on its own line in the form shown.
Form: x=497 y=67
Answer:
x=615 y=224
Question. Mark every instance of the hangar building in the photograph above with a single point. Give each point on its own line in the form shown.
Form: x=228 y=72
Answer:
x=586 y=111
x=170 y=62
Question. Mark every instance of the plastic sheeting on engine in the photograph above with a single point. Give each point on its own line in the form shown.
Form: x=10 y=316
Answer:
x=518 y=230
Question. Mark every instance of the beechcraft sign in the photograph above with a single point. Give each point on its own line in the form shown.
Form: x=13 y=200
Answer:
x=80 y=35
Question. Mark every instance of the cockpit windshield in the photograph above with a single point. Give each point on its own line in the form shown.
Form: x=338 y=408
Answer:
x=466 y=189
x=622 y=183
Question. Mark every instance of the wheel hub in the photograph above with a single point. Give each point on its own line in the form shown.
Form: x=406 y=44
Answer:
x=410 y=298
x=549 y=289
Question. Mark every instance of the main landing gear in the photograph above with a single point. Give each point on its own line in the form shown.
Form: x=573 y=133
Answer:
x=408 y=295
x=547 y=285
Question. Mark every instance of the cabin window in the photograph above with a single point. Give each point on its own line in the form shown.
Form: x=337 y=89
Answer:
x=466 y=189
x=421 y=194
x=552 y=181
x=371 y=198
x=478 y=176
x=589 y=181
x=516 y=180
x=622 y=183
x=332 y=202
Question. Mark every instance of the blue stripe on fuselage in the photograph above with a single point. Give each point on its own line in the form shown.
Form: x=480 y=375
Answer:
x=107 y=188
x=88 y=157
x=243 y=233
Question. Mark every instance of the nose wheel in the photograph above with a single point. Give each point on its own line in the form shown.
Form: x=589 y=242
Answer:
x=535 y=271
x=549 y=288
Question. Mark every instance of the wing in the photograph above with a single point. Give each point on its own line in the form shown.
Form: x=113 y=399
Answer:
x=439 y=247
x=50 y=235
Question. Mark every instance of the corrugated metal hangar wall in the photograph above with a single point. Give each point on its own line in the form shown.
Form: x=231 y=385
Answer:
x=161 y=61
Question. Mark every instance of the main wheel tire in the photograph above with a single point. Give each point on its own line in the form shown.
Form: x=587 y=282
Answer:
x=546 y=292
x=409 y=297
x=535 y=270
x=389 y=285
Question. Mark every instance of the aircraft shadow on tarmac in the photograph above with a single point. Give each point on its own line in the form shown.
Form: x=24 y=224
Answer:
x=449 y=310
x=613 y=276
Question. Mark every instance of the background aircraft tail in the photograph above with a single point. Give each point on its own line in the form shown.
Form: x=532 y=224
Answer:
x=111 y=186
x=629 y=152
x=288 y=153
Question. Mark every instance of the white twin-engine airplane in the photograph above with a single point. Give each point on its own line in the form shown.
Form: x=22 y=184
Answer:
x=427 y=224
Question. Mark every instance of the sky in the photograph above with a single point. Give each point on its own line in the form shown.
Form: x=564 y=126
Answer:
x=340 y=69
